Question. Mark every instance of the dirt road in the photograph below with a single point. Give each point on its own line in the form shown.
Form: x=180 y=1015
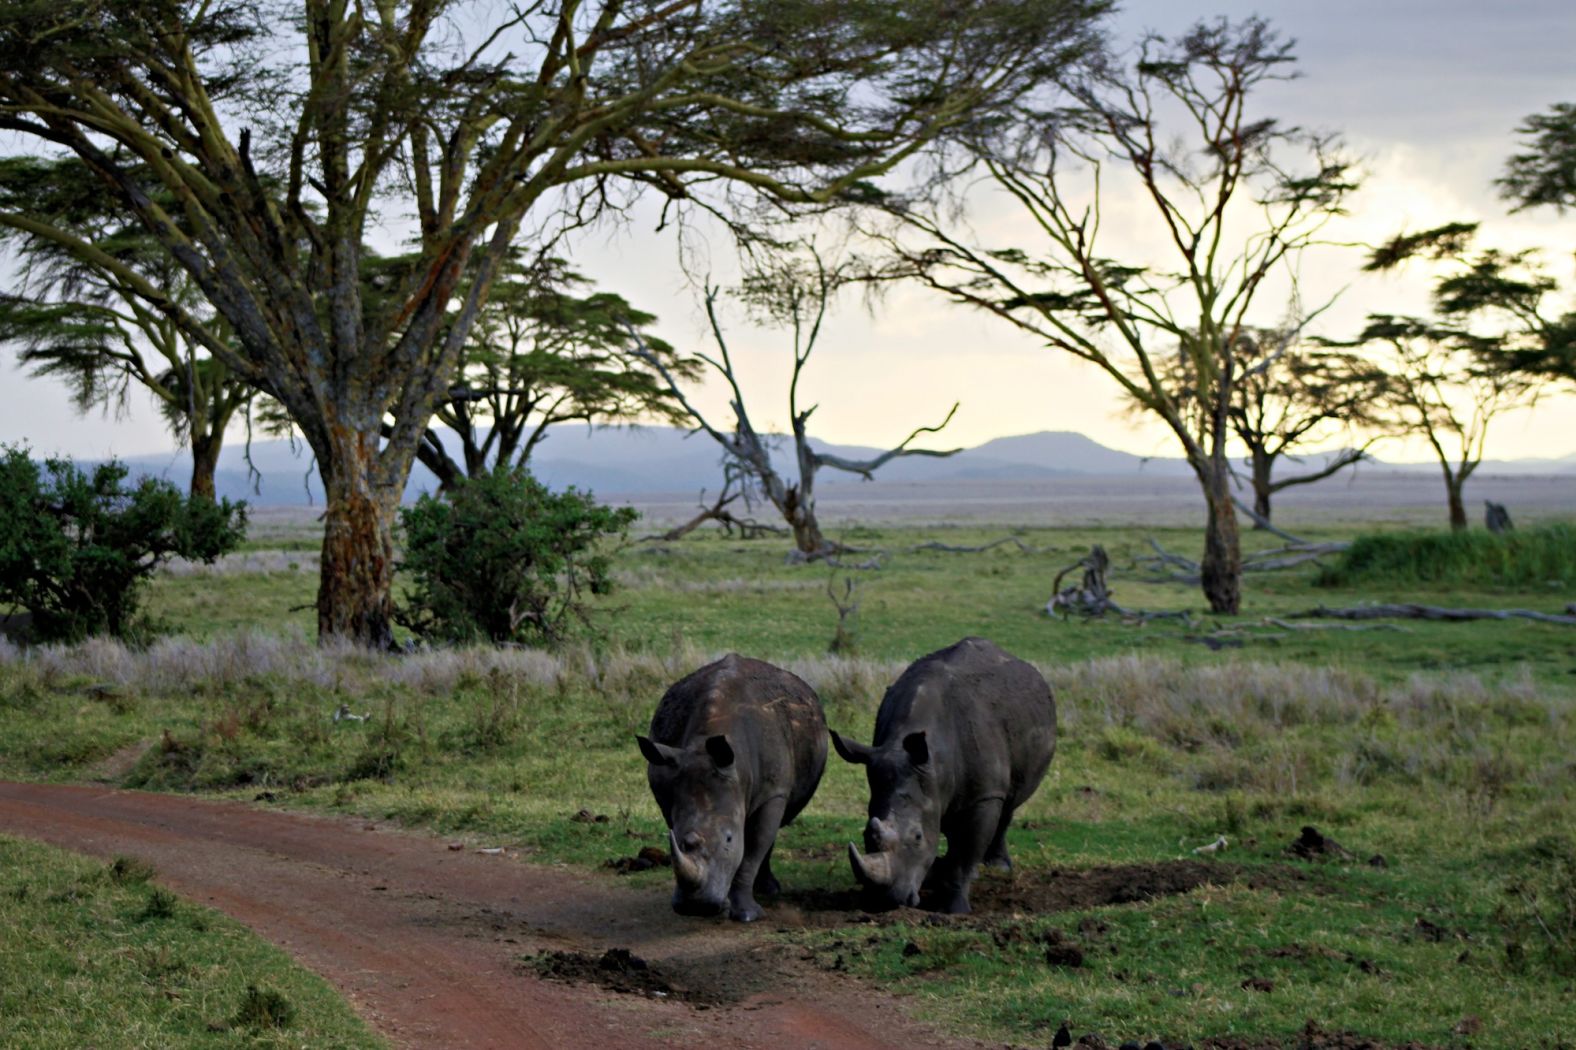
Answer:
x=428 y=943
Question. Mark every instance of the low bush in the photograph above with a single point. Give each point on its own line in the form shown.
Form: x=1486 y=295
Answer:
x=501 y=558
x=1540 y=556
x=77 y=546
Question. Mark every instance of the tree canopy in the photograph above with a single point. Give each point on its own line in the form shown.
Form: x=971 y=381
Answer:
x=265 y=149
x=83 y=324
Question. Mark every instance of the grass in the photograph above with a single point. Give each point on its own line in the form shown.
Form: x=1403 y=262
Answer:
x=94 y=954
x=1444 y=747
x=1541 y=559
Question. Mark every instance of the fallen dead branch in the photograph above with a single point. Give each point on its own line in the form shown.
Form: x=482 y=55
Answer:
x=1264 y=523
x=1433 y=612
x=1272 y=621
x=718 y=511
x=1271 y=560
x=1091 y=596
x=948 y=548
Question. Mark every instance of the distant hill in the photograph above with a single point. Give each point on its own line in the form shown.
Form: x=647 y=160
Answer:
x=663 y=459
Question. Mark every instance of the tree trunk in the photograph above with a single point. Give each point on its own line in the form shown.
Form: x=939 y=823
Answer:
x=1458 y=511
x=354 y=597
x=1262 y=468
x=799 y=512
x=1221 y=567
x=807 y=538
x=205 y=461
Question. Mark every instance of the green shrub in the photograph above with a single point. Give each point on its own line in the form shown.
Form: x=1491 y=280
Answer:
x=1538 y=556
x=77 y=546
x=264 y=1008
x=502 y=559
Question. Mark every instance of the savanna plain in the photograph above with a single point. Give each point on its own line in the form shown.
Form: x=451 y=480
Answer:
x=1433 y=902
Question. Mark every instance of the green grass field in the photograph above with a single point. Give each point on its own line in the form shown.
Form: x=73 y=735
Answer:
x=95 y=954
x=1447 y=748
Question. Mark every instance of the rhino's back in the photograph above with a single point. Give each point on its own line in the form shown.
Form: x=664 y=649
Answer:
x=771 y=717
x=992 y=714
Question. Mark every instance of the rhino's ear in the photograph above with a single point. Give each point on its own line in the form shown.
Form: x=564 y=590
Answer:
x=657 y=754
x=918 y=750
x=849 y=751
x=720 y=750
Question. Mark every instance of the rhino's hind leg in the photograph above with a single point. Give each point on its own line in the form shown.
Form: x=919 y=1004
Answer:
x=996 y=854
x=760 y=834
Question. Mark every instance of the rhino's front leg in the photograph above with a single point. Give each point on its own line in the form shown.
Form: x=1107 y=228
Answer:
x=969 y=836
x=760 y=834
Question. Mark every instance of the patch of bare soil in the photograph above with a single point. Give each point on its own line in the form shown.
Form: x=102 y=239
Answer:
x=702 y=983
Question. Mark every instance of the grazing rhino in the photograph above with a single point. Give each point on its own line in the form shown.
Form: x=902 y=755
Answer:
x=736 y=750
x=963 y=737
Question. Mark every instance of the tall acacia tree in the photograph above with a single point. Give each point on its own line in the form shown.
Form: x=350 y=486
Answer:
x=1235 y=197
x=84 y=325
x=1290 y=394
x=541 y=354
x=262 y=146
x=1439 y=389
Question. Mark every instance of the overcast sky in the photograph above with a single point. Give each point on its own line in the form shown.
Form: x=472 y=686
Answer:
x=1426 y=92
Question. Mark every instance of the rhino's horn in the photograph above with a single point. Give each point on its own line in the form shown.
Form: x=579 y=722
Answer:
x=880 y=835
x=684 y=866
x=872 y=870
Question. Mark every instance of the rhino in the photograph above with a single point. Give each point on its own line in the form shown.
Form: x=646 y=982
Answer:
x=962 y=738
x=735 y=752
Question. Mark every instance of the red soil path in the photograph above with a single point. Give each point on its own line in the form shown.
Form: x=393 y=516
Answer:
x=427 y=943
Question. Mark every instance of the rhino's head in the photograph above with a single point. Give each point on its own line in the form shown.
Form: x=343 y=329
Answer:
x=904 y=825
x=703 y=803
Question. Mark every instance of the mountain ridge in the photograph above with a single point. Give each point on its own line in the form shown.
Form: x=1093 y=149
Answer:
x=642 y=460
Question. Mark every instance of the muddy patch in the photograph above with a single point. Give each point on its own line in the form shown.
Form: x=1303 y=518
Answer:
x=1063 y=890
x=701 y=981
x=1054 y=890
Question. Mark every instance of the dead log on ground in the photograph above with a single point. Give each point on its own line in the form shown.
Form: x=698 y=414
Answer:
x=1433 y=612
x=1496 y=518
x=948 y=548
x=1091 y=596
x=1272 y=560
x=1272 y=621
x=1264 y=523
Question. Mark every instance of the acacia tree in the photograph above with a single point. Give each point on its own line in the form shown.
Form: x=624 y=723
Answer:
x=1439 y=389
x=261 y=148
x=85 y=325
x=794 y=295
x=1291 y=394
x=540 y=354
x=1235 y=197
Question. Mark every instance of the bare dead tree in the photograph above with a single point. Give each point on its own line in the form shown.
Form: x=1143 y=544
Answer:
x=845 y=641
x=717 y=510
x=797 y=294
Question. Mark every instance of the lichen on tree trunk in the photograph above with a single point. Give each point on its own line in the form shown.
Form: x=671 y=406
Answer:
x=1220 y=569
x=205 y=462
x=355 y=591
